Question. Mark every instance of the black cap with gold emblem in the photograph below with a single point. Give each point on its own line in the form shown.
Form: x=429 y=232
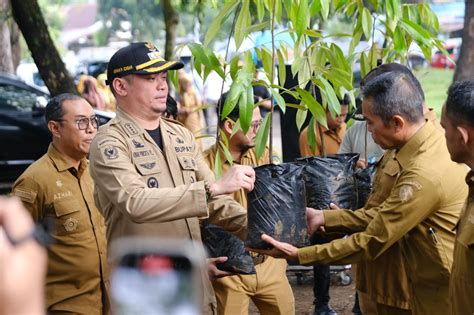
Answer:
x=138 y=58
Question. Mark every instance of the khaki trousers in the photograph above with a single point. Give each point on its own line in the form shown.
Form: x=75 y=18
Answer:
x=269 y=289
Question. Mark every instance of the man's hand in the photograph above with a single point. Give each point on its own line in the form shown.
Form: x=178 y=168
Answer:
x=212 y=269
x=314 y=220
x=279 y=250
x=361 y=163
x=237 y=177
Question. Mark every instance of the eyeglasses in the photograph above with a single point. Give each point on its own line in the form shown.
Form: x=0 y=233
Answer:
x=83 y=123
x=256 y=124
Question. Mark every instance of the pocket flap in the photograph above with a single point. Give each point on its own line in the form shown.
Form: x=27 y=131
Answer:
x=391 y=168
x=147 y=167
x=187 y=163
x=63 y=207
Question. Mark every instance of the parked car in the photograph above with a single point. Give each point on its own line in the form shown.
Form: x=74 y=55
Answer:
x=24 y=136
x=439 y=60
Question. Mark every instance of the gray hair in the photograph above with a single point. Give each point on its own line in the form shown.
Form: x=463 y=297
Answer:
x=395 y=93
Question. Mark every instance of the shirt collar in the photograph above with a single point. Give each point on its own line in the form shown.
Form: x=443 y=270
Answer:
x=404 y=155
x=430 y=115
x=61 y=163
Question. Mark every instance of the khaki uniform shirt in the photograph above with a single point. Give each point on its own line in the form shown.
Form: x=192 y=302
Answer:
x=461 y=286
x=384 y=279
x=332 y=140
x=420 y=212
x=61 y=199
x=144 y=191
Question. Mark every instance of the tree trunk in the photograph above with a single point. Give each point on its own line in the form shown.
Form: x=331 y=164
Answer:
x=6 y=62
x=15 y=43
x=171 y=23
x=29 y=18
x=465 y=64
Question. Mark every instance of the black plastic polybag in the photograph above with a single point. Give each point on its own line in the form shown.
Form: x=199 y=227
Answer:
x=277 y=206
x=330 y=179
x=364 y=181
x=219 y=242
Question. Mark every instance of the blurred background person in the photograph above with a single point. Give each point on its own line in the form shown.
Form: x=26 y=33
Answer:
x=189 y=112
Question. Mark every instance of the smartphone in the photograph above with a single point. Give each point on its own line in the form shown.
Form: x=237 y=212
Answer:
x=156 y=276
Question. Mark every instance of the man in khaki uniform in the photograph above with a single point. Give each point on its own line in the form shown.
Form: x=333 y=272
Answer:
x=150 y=178
x=269 y=288
x=458 y=120
x=58 y=192
x=382 y=283
x=421 y=209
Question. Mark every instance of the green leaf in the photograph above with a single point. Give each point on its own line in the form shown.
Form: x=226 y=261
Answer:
x=399 y=42
x=373 y=56
x=326 y=89
x=393 y=10
x=364 y=65
x=315 y=7
x=281 y=69
x=416 y=31
x=313 y=105
x=267 y=62
x=262 y=136
x=231 y=99
x=325 y=5
x=260 y=9
x=257 y=27
x=216 y=24
x=366 y=22
x=278 y=11
x=242 y=23
x=302 y=18
x=304 y=74
x=248 y=65
x=216 y=65
x=234 y=67
x=279 y=100
x=300 y=118
x=199 y=54
x=312 y=136
x=246 y=107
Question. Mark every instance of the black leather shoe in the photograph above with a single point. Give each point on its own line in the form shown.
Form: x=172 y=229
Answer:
x=324 y=310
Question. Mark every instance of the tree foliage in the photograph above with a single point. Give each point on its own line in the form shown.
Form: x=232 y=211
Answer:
x=317 y=61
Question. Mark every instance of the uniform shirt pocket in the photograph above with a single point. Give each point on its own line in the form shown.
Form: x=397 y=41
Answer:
x=68 y=219
x=147 y=167
x=188 y=167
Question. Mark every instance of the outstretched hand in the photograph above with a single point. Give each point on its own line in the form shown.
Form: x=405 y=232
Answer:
x=279 y=250
x=314 y=220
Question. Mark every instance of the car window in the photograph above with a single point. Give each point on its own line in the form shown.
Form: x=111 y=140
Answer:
x=15 y=98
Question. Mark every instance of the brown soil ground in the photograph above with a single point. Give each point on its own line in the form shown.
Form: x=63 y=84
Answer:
x=342 y=297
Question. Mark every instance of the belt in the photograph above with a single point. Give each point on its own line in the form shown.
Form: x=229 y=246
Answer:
x=257 y=258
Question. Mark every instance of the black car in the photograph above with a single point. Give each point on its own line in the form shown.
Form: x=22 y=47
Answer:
x=24 y=136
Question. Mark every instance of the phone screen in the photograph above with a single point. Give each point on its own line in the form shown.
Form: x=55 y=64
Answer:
x=150 y=283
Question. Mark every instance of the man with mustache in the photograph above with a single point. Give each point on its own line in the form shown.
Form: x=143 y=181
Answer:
x=57 y=190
